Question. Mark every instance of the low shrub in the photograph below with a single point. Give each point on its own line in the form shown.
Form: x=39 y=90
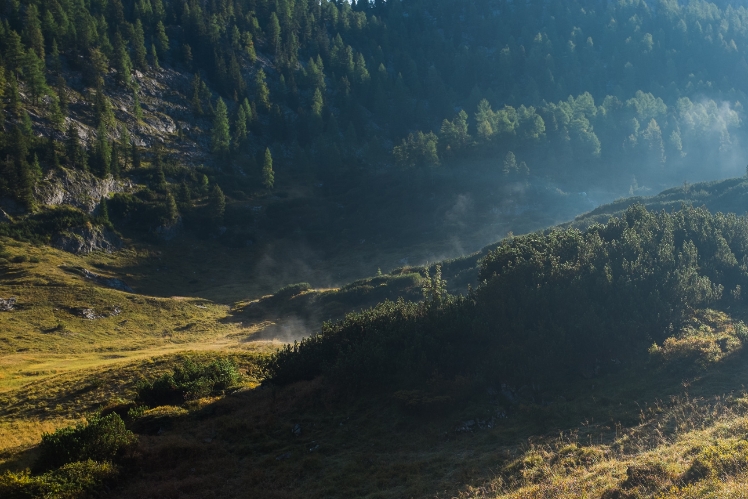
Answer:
x=292 y=290
x=73 y=480
x=100 y=438
x=189 y=380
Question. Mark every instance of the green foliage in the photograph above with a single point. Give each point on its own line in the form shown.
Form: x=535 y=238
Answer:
x=418 y=150
x=41 y=226
x=100 y=438
x=268 y=176
x=189 y=380
x=220 y=136
x=548 y=305
x=71 y=481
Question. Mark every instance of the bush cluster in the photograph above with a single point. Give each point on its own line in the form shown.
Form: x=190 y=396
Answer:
x=100 y=438
x=189 y=380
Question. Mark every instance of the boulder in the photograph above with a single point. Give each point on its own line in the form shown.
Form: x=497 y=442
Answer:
x=86 y=239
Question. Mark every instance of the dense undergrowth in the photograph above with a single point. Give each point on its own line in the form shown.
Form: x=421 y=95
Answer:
x=549 y=307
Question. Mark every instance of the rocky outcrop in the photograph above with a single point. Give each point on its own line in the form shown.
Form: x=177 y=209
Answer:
x=84 y=240
x=79 y=189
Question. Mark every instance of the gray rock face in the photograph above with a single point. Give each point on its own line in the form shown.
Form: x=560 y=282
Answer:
x=84 y=240
x=79 y=189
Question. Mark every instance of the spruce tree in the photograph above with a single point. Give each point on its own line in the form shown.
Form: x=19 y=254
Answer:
x=154 y=57
x=268 y=176
x=261 y=90
x=32 y=28
x=136 y=110
x=138 y=46
x=220 y=136
x=103 y=217
x=14 y=97
x=34 y=75
x=172 y=212
x=135 y=156
x=216 y=205
x=162 y=41
x=114 y=166
x=240 y=127
x=185 y=196
x=122 y=62
x=103 y=152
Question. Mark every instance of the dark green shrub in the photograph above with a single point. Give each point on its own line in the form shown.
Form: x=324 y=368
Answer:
x=189 y=380
x=99 y=438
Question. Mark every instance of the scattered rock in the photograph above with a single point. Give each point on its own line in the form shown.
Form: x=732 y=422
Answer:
x=296 y=430
x=88 y=313
x=6 y=305
x=86 y=239
x=475 y=424
x=110 y=282
x=283 y=456
x=115 y=312
x=314 y=448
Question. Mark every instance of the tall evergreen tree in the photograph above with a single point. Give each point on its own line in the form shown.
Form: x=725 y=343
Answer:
x=35 y=78
x=216 y=205
x=138 y=46
x=220 y=136
x=268 y=175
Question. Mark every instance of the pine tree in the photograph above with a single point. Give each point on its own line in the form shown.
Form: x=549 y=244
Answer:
x=240 y=127
x=136 y=109
x=172 y=212
x=138 y=46
x=160 y=179
x=274 y=34
x=268 y=176
x=32 y=28
x=220 y=137
x=124 y=146
x=54 y=57
x=162 y=41
x=122 y=62
x=114 y=166
x=197 y=108
x=103 y=152
x=216 y=205
x=14 y=97
x=62 y=94
x=154 y=57
x=73 y=148
x=135 y=156
x=103 y=217
x=36 y=169
x=261 y=90
x=185 y=196
x=35 y=78
x=103 y=109
x=14 y=53
x=55 y=114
